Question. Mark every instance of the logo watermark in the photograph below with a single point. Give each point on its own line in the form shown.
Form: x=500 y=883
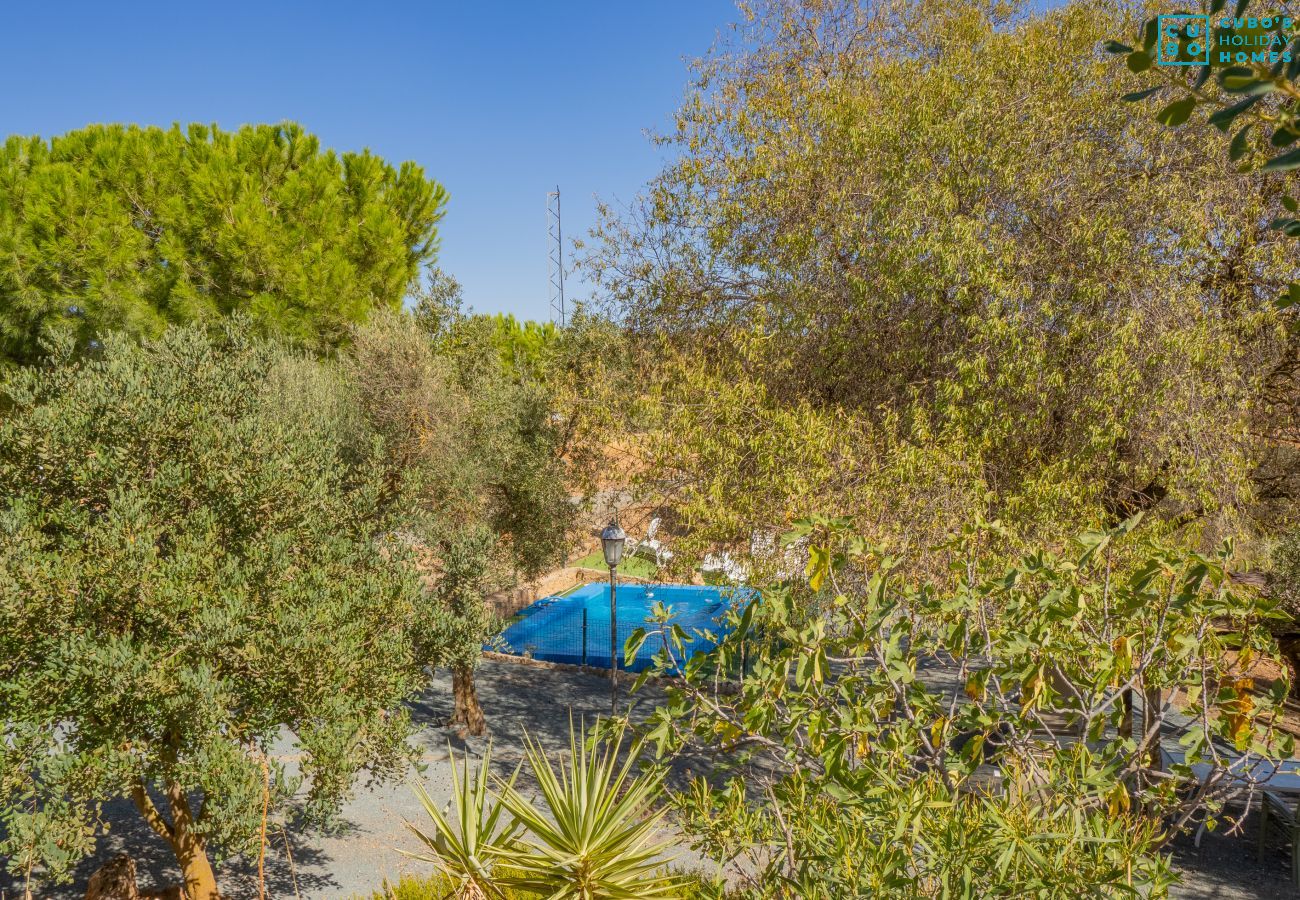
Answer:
x=1182 y=40
x=1188 y=40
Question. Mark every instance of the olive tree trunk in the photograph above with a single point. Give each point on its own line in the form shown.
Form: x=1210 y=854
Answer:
x=199 y=879
x=466 y=713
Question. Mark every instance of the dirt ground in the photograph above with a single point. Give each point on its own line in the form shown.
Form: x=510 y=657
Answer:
x=356 y=858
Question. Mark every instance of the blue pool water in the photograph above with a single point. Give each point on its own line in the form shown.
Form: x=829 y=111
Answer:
x=552 y=628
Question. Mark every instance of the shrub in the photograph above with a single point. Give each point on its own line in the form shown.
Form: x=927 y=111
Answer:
x=898 y=740
x=596 y=836
x=437 y=887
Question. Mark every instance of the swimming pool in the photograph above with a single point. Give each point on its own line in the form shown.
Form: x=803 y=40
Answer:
x=574 y=628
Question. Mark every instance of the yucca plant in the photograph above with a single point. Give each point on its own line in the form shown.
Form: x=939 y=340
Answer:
x=596 y=839
x=467 y=852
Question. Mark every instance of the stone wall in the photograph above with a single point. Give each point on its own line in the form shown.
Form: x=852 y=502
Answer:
x=509 y=601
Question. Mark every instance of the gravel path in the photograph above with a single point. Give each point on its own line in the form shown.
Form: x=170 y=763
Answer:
x=358 y=858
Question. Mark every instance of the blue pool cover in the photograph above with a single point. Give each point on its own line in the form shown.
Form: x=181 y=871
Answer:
x=552 y=628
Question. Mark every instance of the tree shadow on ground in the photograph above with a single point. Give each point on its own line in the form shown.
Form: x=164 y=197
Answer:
x=1228 y=867
x=156 y=865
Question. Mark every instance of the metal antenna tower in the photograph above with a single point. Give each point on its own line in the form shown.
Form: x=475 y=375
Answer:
x=555 y=257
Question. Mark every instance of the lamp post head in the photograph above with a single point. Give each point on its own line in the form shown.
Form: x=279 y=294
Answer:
x=611 y=542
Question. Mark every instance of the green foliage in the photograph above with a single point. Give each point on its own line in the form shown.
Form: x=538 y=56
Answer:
x=243 y=528
x=439 y=887
x=595 y=837
x=889 y=739
x=947 y=277
x=196 y=554
x=1257 y=100
x=1286 y=571
x=634 y=566
x=466 y=443
x=476 y=458
x=523 y=345
x=736 y=458
x=539 y=417
x=131 y=229
x=464 y=851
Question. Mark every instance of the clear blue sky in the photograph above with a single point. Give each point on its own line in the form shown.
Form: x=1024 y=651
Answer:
x=498 y=101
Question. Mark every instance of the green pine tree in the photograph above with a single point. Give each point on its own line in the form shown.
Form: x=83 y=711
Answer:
x=131 y=229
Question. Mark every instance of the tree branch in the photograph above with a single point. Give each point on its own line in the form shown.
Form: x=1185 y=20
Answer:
x=143 y=802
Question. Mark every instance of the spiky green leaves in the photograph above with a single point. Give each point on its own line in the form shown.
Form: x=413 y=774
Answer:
x=596 y=833
x=469 y=833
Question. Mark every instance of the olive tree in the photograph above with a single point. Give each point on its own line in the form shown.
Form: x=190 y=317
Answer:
x=198 y=556
x=476 y=456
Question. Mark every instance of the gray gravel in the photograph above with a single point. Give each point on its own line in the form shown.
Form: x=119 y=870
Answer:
x=1227 y=867
x=364 y=852
x=357 y=859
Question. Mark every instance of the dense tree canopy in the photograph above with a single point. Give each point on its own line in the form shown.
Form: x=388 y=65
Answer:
x=477 y=459
x=130 y=229
x=196 y=554
x=874 y=708
x=208 y=540
x=1254 y=100
x=982 y=291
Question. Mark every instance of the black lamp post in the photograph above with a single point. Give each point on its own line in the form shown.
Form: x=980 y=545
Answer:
x=611 y=542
